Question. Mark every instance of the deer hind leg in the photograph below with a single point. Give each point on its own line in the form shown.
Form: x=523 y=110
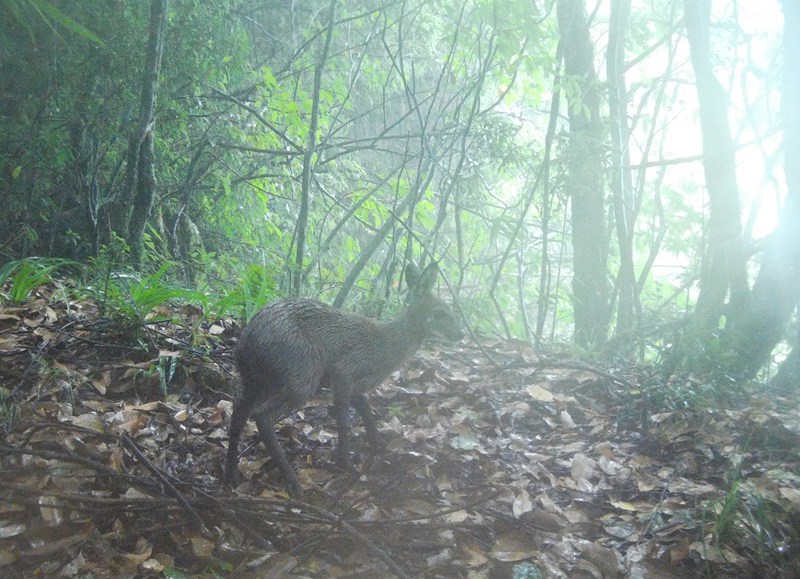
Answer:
x=342 y=396
x=241 y=412
x=266 y=428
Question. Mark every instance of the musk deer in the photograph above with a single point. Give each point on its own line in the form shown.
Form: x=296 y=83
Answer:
x=294 y=346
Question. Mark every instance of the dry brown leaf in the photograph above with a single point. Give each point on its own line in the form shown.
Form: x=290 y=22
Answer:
x=582 y=468
x=603 y=558
x=540 y=393
x=457 y=516
x=32 y=323
x=152 y=566
x=710 y=552
x=419 y=507
x=473 y=553
x=443 y=557
x=102 y=383
x=202 y=547
x=566 y=420
x=45 y=334
x=8 y=343
x=142 y=552
x=543 y=521
x=133 y=493
x=51 y=540
x=89 y=421
x=792 y=495
x=611 y=467
x=8 y=556
x=624 y=528
x=510 y=547
x=457 y=378
x=522 y=503
x=73 y=568
x=49 y=511
x=11 y=529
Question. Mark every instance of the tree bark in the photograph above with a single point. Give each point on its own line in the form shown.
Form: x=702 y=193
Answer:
x=140 y=181
x=309 y=158
x=585 y=179
x=621 y=181
x=776 y=290
x=723 y=265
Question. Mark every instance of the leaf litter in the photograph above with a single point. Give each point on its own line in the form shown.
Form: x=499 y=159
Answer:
x=499 y=462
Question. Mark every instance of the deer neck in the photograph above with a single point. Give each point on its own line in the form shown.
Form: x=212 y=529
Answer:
x=402 y=337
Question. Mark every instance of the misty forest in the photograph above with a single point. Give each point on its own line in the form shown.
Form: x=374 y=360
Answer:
x=399 y=288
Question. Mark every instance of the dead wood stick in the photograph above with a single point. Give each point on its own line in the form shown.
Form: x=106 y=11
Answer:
x=337 y=521
x=196 y=521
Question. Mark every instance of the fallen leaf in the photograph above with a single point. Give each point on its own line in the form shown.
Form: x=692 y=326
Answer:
x=522 y=503
x=91 y=421
x=11 y=530
x=511 y=547
x=540 y=393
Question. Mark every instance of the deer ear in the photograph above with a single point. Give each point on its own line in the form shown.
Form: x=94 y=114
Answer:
x=412 y=274
x=427 y=278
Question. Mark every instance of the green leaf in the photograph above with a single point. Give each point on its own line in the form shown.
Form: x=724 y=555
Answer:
x=174 y=573
x=46 y=9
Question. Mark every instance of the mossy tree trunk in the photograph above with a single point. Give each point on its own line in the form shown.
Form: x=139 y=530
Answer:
x=140 y=181
x=585 y=180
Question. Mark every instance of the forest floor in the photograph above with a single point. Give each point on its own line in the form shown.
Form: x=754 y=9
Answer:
x=500 y=462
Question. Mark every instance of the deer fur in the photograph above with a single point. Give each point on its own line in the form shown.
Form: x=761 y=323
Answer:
x=294 y=346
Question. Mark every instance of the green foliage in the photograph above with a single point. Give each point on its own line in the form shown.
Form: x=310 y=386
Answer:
x=255 y=289
x=25 y=12
x=683 y=390
x=130 y=298
x=454 y=109
x=26 y=275
x=175 y=573
x=726 y=513
x=51 y=15
x=9 y=411
x=746 y=518
x=166 y=370
x=526 y=571
x=696 y=366
x=145 y=293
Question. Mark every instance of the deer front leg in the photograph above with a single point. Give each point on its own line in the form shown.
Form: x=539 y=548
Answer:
x=361 y=404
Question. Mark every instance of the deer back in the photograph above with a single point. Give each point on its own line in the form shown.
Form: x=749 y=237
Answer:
x=296 y=344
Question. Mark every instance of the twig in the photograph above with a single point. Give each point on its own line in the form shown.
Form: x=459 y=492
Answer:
x=545 y=363
x=195 y=519
x=337 y=521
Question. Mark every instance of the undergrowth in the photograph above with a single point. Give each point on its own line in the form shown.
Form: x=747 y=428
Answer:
x=130 y=300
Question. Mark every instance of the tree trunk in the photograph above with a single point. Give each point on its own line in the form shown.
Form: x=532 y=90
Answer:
x=723 y=265
x=309 y=158
x=140 y=181
x=585 y=179
x=621 y=181
x=776 y=290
